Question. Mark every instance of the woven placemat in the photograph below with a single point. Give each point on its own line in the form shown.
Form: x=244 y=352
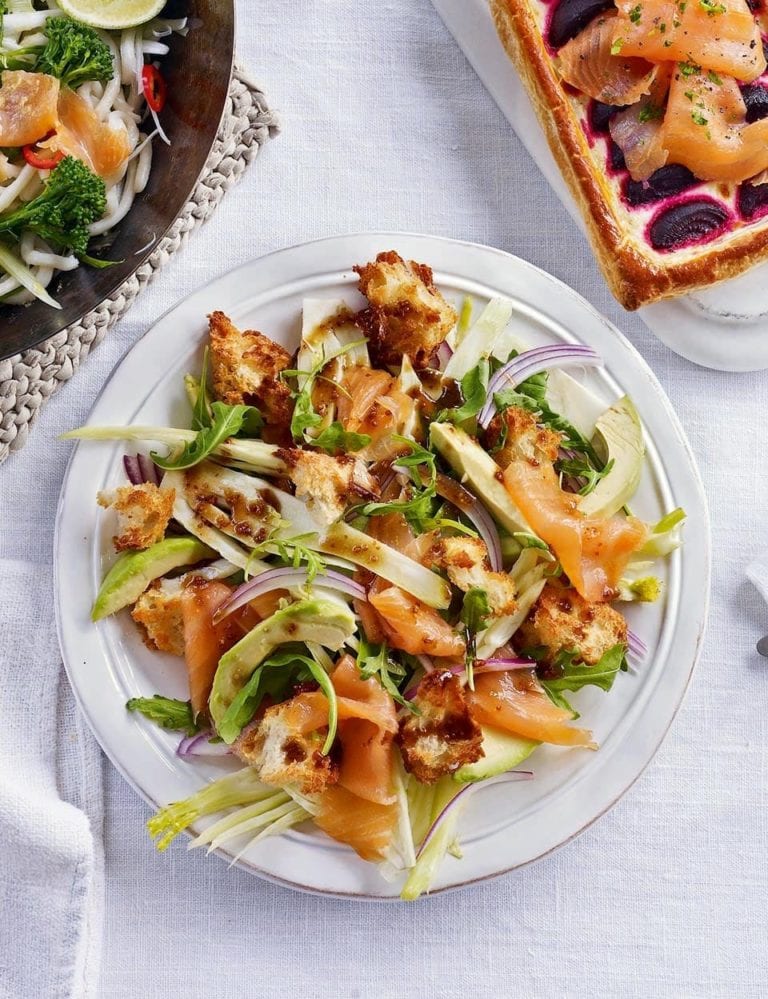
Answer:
x=29 y=379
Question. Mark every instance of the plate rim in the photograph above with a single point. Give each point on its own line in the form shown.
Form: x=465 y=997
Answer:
x=682 y=440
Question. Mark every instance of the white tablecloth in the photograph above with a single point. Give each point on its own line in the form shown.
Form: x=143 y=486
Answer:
x=386 y=127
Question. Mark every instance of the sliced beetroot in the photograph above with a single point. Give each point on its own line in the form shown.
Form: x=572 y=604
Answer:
x=695 y=220
x=752 y=200
x=600 y=116
x=569 y=17
x=616 y=157
x=665 y=182
x=756 y=101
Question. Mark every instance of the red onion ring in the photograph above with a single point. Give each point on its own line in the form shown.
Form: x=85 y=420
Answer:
x=285 y=578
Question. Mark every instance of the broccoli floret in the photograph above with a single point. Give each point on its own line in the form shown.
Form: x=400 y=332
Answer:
x=72 y=200
x=74 y=53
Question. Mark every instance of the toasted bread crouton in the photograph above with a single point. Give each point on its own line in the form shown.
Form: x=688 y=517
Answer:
x=408 y=313
x=561 y=619
x=328 y=485
x=142 y=512
x=285 y=756
x=158 y=612
x=444 y=736
x=466 y=562
x=246 y=369
x=523 y=438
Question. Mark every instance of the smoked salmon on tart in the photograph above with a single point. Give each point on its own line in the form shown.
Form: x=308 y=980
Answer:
x=657 y=114
x=374 y=633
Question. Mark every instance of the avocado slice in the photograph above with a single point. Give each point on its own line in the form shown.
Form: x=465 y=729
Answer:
x=477 y=467
x=503 y=752
x=618 y=438
x=134 y=571
x=327 y=622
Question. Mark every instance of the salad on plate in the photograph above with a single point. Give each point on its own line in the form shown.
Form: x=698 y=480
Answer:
x=387 y=564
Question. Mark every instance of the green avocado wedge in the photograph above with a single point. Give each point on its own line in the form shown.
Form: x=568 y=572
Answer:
x=480 y=471
x=327 y=622
x=134 y=571
x=618 y=438
x=503 y=752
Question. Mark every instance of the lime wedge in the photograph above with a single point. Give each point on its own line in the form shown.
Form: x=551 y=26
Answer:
x=112 y=13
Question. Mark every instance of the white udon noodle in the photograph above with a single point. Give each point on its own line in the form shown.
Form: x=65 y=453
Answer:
x=120 y=103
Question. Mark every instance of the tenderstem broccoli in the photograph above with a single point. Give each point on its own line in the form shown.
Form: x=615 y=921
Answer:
x=71 y=201
x=74 y=53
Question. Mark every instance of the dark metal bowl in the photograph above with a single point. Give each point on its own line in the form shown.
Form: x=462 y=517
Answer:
x=198 y=69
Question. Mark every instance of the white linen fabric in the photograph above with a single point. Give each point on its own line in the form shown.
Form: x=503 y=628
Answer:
x=387 y=127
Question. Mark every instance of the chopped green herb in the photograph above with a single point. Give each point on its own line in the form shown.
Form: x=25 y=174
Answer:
x=689 y=68
x=617 y=46
x=714 y=78
x=475 y=612
x=698 y=118
x=712 y=7
x=649 y=112
x=226 y=421
x=635 y=14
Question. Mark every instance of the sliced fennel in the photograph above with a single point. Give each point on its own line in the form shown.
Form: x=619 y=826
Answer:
x=665 y=536
x=269 y=816
x=430 y=857
x=17 y=269
x=253 y=454
x=479 y=340
x=401 y=854
x=387 y=562
x=240 y=788
x=503 y=628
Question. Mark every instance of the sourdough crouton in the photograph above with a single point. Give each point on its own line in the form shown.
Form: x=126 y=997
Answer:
x=328 y=485
x=158 y=612
x=246 y=369
x=444 y=736
x=466 y=562
x=283 y=755
x=408 y=313
x=523 y=438
x=561 y=619
x=142 y=512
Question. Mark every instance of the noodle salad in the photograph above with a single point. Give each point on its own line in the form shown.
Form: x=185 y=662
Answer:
x=78 y=112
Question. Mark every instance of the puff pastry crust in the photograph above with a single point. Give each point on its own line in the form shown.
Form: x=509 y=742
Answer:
x=636 y=273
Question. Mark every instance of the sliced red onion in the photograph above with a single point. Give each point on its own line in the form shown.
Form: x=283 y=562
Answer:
x=286 y=578
x=509 y=777
x=200 y=745
x=475 y=512
x=426 y=662
x=532 y=362
x=140 y=469
x=636 y=646
x=444 y=354
x=132 y=469
x=502 y=665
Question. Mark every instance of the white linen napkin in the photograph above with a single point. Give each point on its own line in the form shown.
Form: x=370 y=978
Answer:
x=50 y=805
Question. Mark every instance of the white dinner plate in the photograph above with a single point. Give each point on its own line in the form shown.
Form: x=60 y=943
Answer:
x=505 y=826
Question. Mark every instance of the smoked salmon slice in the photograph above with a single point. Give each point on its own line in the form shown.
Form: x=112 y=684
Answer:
x=705 y=129
x=720 y=35
x=589 y=63
x=637 y=129
x=366 y=730
x=412 y=626
x=366 y=826
x=205 y=642
x=28 y=107
x=514 y=701
x=592 y=551
x=80 y=132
